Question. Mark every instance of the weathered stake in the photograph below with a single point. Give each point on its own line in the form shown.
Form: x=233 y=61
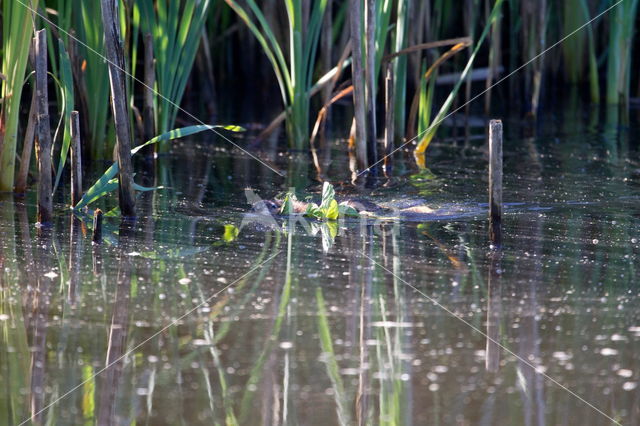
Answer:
x=495 y=182
x=45 y=203
x=357 y=72
x=76 y=159
x=97 y=227
x=115 y=58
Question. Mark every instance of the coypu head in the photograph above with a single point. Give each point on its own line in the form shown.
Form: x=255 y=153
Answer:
x=267 y=206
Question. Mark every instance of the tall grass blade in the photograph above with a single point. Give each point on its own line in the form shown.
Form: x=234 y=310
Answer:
x=295 y=76
x=66 y=79
x=431 y=131
x=17 y=30
x=621 y=29
x=176 y=27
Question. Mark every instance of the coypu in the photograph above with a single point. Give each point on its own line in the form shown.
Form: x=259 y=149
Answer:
x=362 y=206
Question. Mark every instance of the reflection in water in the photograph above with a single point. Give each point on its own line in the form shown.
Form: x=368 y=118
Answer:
x=494 y=312
x=38 y=317
x=110 y=379
x=326 y=334
x=76 y=242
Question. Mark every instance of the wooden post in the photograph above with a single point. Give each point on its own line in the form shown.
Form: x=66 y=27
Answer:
x=389 y=113
x=357 y=72
x=495 y=182
x=45 y=187
x=115 y=57
x=76 y=159
x=97 y=227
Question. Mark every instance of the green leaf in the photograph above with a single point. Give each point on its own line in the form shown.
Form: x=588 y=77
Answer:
x=104 y=185
x=347 y=210
x=66 y=79
x=332 y=212
x=313 y=211
x=231 y=232
x=146 y=188
x=328 y=195
x=184 y=132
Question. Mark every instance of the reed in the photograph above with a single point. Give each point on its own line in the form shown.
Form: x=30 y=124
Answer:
x=400 y=42
x=621 y=30
x=573 y=49
x=579 y=50
x=176 y=27
x=92 y=79
x=17 y=30
x=295 y=75
x=429 y=133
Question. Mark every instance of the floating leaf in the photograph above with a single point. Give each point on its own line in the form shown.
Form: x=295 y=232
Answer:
x=332 y=211
x=328 y=195
x=313 y=211
x=347 y=210
x=231 y=232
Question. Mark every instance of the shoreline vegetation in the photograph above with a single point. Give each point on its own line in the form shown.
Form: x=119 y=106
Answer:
x=174 y=66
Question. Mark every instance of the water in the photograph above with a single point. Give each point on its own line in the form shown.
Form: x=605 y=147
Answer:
x=416 y=322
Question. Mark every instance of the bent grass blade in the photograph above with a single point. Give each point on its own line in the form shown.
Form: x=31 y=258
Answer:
x=106 y=183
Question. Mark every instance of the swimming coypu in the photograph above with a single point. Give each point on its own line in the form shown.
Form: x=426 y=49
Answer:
x=362 y=206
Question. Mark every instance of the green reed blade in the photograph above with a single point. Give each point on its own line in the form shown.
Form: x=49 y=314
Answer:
x=66 y=79
x=105 y=183
x=431 y=131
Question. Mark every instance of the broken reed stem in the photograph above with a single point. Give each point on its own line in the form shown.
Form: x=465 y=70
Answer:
x=76 y=159
x=389 y=113
x=357 y=71
x=45 y=203
x=149 y=81
x=372 y=131
x=27 y=146
x=495 y=182
x=97 y=227
x=115 y=57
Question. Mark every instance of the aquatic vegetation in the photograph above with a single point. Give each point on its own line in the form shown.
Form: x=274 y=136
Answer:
x=17 y=31
x=108 y=181
x=176 y=27
x=295 y=75
x=622 y=26
x=93 y=78
x=329 y=209
x=427 y=136
x=67 y=94
x=400 y=42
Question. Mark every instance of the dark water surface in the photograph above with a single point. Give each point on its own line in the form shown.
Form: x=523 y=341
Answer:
x=413 y=322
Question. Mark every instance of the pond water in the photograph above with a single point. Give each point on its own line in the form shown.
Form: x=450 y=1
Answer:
x=173 y=321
